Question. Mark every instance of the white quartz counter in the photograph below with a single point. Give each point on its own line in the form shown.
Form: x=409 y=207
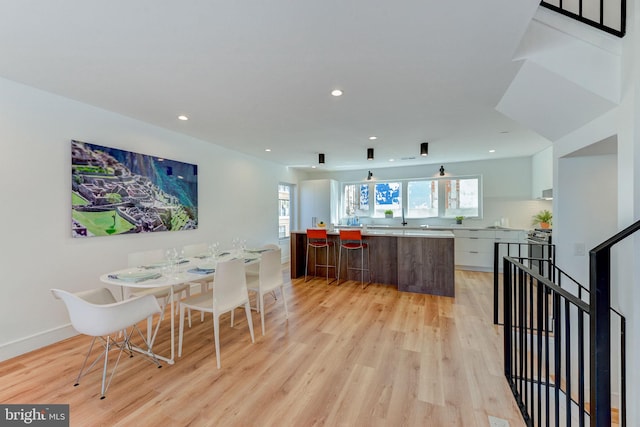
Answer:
x=394 y=232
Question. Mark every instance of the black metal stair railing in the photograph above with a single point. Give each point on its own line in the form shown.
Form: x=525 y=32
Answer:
x=606 y=15
x=558 y=355
x=600 y=324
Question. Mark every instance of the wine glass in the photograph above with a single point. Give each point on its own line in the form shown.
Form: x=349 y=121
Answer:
x=213 y=249
x=171 y=255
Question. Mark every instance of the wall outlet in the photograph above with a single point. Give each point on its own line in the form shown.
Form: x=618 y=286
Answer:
x=579 y=249
x=497 y=422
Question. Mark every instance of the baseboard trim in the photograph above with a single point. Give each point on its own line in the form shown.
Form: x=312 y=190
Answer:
x=24 y=345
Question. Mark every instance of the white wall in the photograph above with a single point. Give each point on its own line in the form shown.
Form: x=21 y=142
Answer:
x=237 y=197
x=587 y=211
x=506 y=186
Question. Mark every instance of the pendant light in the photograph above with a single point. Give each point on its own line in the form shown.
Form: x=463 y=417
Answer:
x=369 y=153
x=424 y=149
x=321 y=158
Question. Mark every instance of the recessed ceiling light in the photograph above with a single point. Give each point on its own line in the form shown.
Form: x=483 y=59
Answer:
x=267 y=149
x=313 y=167
x=492 y=151
x=183 y=117
x=392 y=160
x=336 y=92
x=373 y=138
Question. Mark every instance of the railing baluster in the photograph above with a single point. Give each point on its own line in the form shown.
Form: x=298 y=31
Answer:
x=557 y=335
x=567 y=355
x=581 y=368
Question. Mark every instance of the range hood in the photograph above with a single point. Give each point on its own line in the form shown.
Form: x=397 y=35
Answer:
x=547 y=194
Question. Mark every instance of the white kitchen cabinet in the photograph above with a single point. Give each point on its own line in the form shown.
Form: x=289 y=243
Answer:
x=474 y=248
x=318 y=199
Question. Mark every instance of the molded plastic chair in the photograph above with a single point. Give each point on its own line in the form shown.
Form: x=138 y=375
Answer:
x=351 y=240
x=162 y=294
x=269 y=279
x=317 y=239
x=194 y=250
x=97 y=313
x=190 y=251
x=253 y=270
x=230 y=291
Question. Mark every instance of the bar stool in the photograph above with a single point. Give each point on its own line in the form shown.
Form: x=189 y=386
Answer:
x=317 y=239
x=351 y=240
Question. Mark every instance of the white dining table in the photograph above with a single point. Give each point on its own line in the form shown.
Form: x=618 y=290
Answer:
x=162 y=274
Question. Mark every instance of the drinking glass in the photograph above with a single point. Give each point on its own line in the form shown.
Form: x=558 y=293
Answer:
x=213 y=249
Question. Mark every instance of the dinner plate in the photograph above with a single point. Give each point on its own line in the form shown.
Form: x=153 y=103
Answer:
x=257 y=251
x=201 y=270
x=135 y=276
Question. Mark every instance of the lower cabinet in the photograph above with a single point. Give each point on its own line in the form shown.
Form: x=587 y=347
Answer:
x=474 y=248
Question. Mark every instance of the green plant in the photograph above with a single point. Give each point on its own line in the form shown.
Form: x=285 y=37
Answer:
x=388 y=212
x=459 y=218
x=542 y=216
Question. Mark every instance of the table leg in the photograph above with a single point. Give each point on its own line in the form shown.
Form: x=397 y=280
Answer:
x=173 y=315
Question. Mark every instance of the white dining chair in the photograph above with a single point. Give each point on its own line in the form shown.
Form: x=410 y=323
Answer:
x=268 y=280
x=229 y=292
x=252 y=270
x=97 y=313
x=162 y=294
x=192 y=251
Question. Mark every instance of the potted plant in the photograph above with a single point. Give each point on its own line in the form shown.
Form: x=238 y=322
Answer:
x=388 y=213
x=459 y=219
x=543 y=218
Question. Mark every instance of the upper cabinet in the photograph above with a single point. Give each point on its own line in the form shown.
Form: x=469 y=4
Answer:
x=542 y=173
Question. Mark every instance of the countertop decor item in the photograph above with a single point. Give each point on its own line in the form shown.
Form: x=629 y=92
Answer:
x=459 y=219
x=388 y=213
x=543 y=218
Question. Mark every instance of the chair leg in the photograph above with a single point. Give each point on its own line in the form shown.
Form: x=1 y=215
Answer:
x=104 y=370
x=93 y=341
x=181 y=329
x=108 y=346
x=247 y=310
x=339 y=267
x=261 y=296
x=216 y=336
x=306 y=264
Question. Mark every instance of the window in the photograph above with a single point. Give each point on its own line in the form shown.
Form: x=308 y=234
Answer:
x=356 y=200
x=388 y=196
x=422 y=199
x=462 y=197
x=284 y=211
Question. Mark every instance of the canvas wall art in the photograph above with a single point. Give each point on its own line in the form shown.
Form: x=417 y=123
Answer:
x=116 y=192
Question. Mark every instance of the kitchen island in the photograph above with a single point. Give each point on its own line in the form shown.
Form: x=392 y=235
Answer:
x=419 y=261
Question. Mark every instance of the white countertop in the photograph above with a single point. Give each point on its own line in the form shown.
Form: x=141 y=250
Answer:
x=391 y=232
x=427 y=227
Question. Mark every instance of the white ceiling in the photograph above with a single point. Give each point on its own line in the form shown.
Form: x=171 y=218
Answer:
x=256 y=74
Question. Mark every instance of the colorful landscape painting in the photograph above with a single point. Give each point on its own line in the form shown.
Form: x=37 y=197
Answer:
x=116 y=192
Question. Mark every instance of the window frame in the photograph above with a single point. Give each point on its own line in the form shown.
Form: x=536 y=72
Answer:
x=441 y=208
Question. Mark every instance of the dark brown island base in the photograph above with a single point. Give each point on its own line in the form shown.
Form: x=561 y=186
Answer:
x=419 y=261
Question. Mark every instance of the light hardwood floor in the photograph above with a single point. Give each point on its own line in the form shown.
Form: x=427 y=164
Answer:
x=345 y=357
